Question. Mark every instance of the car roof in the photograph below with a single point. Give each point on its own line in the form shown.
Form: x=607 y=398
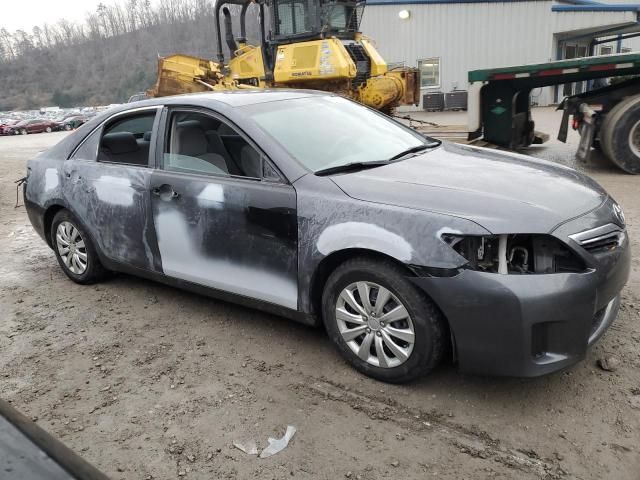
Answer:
x=232 y=98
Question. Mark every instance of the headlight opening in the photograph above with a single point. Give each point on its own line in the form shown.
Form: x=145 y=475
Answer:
x=515 y=254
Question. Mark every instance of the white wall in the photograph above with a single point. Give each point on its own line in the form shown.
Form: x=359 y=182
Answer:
x=466 y=36
x=470 y=36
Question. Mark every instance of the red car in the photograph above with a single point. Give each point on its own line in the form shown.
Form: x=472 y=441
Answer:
x=33 y=126
x=5 y=126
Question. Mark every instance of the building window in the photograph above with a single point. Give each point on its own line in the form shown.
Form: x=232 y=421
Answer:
x=606 y=50
x=429 y=72
x=625 y=50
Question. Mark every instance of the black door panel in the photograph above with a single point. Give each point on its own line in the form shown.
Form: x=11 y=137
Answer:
x=230 y=234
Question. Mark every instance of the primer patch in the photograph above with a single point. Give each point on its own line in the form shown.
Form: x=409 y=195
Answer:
x=182 y=259
x=50 y=179
x=211 y=196
x=114 y=190
x=364 y=235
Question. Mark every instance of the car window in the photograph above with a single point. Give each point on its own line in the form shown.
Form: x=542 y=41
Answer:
x=200 y=143
x=88 y=149
x=127 y=139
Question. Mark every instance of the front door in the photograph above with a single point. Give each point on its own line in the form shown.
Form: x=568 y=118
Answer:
x=219 y=221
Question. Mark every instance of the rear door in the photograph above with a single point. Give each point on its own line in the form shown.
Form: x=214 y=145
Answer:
x=224 y=216
x=107 y=186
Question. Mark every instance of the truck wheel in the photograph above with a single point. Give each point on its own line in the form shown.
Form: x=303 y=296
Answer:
x=620 y=135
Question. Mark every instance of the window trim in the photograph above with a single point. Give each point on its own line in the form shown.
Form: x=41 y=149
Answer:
x=163 y=141
x=603 y=47
x=439 y=84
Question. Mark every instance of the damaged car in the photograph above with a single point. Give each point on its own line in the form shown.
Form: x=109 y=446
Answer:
x=314 y=207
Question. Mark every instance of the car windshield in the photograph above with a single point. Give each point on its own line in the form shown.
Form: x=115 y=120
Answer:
x=328 y=131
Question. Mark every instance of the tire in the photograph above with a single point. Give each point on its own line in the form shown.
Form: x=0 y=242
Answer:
x=23 y=132
x=67 y=127
x=424 y=318
x=617 y=132
x=93 y=270
x=48 y=129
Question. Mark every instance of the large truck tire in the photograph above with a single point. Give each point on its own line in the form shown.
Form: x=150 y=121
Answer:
x=620 y=135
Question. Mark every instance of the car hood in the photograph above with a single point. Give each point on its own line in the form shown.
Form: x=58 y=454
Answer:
x=503 y=192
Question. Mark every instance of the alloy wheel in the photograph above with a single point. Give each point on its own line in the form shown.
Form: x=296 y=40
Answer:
x=71 y=248
x=375 y=325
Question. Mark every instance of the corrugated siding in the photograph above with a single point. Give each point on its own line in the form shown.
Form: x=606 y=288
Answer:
x=464 y=36
x=470 y=36
x=567 y=21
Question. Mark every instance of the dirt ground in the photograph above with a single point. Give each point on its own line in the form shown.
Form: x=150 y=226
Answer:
x=146 y=381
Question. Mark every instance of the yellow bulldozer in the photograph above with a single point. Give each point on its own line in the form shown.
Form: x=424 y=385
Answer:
x=313 y=44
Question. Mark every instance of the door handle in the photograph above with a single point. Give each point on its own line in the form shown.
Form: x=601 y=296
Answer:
x=165 y=191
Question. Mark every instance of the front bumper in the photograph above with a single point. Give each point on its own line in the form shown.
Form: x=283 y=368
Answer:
x=529 y=325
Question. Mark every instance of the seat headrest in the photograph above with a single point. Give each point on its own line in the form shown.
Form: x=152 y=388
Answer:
x=191 y=140
x=120 y=142
x=215 y=141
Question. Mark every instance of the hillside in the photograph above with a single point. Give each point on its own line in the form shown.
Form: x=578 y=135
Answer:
x=107 y=59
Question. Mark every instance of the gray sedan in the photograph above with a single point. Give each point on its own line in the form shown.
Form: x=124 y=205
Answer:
x=316 y=208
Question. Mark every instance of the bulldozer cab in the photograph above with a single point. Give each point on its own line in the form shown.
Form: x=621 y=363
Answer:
x=289 y=21
x=300 y=20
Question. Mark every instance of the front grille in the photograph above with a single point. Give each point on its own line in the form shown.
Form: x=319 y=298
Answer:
x=601 y=239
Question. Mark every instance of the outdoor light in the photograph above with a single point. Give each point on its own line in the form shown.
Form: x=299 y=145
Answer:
x=404 y=14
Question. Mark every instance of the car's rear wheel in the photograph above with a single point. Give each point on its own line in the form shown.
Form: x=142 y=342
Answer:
x=381 y=323
x=74 y=249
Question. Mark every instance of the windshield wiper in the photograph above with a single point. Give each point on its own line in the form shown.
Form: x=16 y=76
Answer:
x=416 y=149
x=350 y=167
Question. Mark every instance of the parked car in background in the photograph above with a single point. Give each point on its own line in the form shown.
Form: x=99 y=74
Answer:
x=71 y=123
x=5 y=126
x=33 y=126
x=403 y=247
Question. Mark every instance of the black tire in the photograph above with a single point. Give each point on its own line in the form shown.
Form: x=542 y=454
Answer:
x=94 y=270
x=428 y=323
x=615 y=132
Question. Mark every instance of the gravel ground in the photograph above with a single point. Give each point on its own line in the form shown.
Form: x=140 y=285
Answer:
x=146 y=381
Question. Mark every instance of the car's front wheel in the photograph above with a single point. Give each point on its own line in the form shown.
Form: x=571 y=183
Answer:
x=23 y=132
x=48 y=130
x=74 y=249
x=381 y=323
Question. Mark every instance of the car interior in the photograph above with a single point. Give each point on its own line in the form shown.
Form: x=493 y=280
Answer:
x=127 y=140
x=198 y=143
x=203 y=144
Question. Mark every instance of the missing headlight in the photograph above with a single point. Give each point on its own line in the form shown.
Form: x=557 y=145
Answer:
x=515 y=254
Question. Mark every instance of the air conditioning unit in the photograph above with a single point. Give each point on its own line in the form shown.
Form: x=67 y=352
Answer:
x=433 y=101
x=456 y=100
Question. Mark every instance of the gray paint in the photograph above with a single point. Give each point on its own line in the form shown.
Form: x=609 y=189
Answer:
x=266 y=241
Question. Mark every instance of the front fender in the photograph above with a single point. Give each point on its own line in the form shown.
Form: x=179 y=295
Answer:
x=329 y=221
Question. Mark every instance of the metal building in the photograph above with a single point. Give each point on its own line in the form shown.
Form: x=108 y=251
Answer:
x=447 y=38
